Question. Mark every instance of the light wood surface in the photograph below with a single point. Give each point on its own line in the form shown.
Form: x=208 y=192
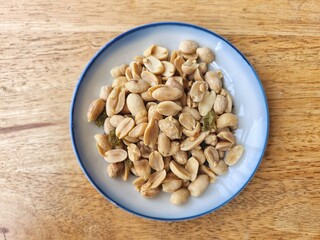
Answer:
x=44 y=46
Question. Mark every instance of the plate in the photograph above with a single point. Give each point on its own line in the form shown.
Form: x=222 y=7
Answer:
x=250 y=105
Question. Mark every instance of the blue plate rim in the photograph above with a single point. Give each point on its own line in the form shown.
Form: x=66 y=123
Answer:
x=108 y=44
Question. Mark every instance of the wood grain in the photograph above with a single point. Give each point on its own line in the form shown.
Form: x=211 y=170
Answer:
x=44 y=46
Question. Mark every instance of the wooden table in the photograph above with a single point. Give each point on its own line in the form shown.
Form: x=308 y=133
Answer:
x=44 y=46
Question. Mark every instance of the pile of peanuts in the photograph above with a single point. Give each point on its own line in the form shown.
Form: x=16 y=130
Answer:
x=168 y=121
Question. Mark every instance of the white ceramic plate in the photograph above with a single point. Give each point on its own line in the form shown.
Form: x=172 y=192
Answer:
x=239 y=78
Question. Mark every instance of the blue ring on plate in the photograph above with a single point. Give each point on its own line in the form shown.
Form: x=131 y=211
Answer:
x=75 y=96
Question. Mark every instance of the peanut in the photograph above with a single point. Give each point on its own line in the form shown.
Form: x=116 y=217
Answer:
x=96 y=107
x=118 y=71
x=135 y=103
x=115 y=155
x=105 y=92
x=167 y=94
x=198 y=186
x=234 y=155
x=156 y=161
x=188 y=46
x=180 y=196
x=205 y=54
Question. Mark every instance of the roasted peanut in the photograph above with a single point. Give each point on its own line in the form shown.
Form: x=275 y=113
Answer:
x=204 y=169
x=124 y=127
x=214 y=81
x=128 y=140
x=197 y=75
x=150 y=78
x=105 y=92
x=147 y=97
x=156 y=178
x=133 y=152
x=211 y=155
x=135 y=69
x=220 y=104
x=225 y=135
x=138 y=130
x=96 y=107
x=176 y=82
x=151 y=133
x=115 y=101
x=128 y=74
x=229 y=103
x=167 y=94
x=189 y=66
x=101 y=151
x=191 y=143
x=148 y=192
x=137 y=86
x=115 y=155
x=234 y=155
x=141 y=117
x=194 y=132
x=211 y=140
x=168 y=108
x=153 y=65
x=135 y=103
x=192 y=56
x=127 y=168
x=207 y=102
x=107 y=126
x=187 y=121
x=119 y=82
x=192 y=167
x=180 y=157
x=170 y=127
x=174 y=55
x=138 y=182
x=169 y=69
x=142 y=168
x=145 y=151
x=198 y=186
x=171 y=185
x=118 y=71
x=179 y=171
x=153 y=113
x=196 y=115
x=174 y=147
x=160 y=53
x=205 y=54
x=178 y=62
x=164 y=144
x=198 y=90
x=188 y=46
x=198 y=155
x=138 y=59
x=203 y=67
x=180 y=196
x=156 y=161
x=227 y=120
x=220 y=169
x=115 y=120
x=102 y=141
x=115 y=169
